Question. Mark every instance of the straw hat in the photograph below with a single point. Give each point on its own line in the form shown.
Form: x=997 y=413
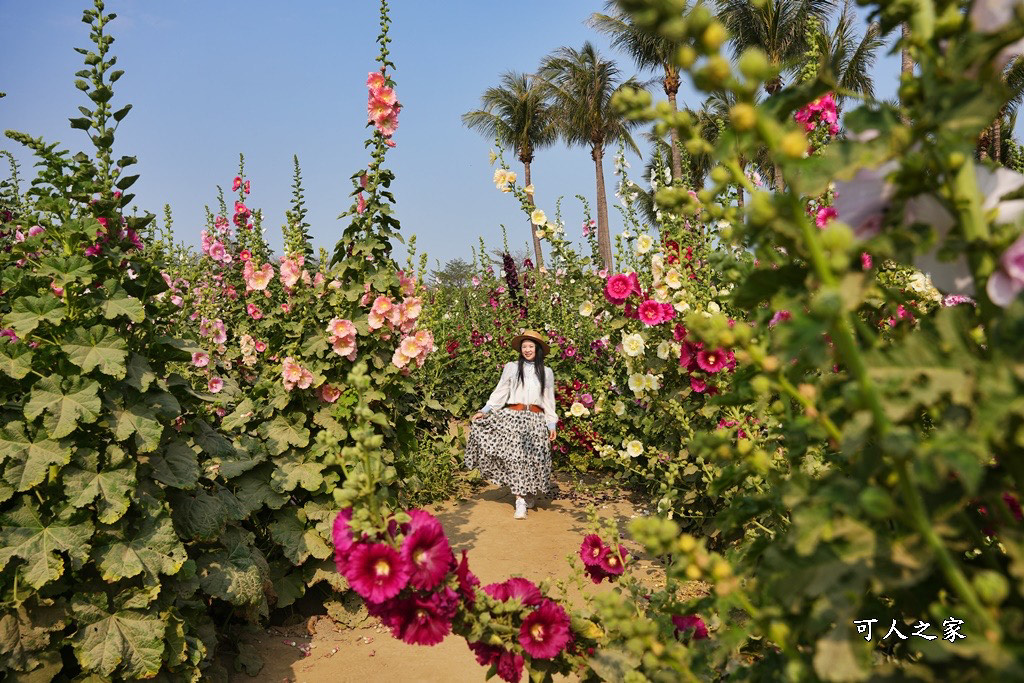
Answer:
x=533 y=336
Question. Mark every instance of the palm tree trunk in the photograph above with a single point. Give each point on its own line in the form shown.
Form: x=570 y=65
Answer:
x=772 y=87
x=997 y=138
x=671 y=84
x=604 y=240
x=984 y=140
x=533 y=231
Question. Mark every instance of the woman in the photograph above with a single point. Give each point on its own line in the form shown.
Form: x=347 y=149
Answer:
x=509 y=438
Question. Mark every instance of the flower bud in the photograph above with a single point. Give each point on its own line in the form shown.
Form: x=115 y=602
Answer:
x=793 y=144
x=720 y=175
x=687 y=543
x=743 y=116
x=754 y=64
x=718 y=69
x=714 y=36
x=992 y=586
x=686 y=56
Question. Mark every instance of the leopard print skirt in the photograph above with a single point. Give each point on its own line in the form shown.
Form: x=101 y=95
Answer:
x=511 y=448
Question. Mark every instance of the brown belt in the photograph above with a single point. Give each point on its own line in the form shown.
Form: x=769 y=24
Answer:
x=533 y=408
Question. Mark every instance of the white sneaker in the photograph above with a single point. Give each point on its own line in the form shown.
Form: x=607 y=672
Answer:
x=520 y=508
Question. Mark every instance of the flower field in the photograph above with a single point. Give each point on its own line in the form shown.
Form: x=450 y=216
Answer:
x=803 y=351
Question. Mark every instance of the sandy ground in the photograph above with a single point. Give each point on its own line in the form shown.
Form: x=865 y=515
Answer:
x=499 y=547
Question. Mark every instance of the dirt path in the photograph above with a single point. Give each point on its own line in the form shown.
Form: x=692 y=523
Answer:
x=499 y=547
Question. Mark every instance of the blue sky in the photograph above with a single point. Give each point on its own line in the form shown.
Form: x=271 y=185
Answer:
x=271 y=79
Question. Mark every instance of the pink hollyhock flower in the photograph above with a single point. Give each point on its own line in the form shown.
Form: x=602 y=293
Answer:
x=388 y=125
x=236 y=184
x=200 y=359
x=698 y=385
x=381 y=305
x=376 y=571
x=467 y=580
x=375 y=80
x=617 y=289
x=779 y=317
x=254 y=312
x=215 y=385
x=260 y=347
x=363 y=179
x=685 y=624
x=389 y=142
x=425 y=339
x=291 y=373
x=246 y=187
x=1008 y=280
x=291 y=270
x=411 y=307
x=93 y=250
x=341 y=327
x=345 y=347
x=825 y=214
x=865 y=260
x=360 y=203
x=57 y=291
x=399 y=359
x=475 y=280
x=409 y=347
x=9 y=333
x=258 y=279
x=427 y=552
x=245 y=255
x=957 y=299
x=591 y=549
x=177 y=300
x=650 y=312
x=545 y=631
x=343 y=540
x=711 y=361
x=35 y=230
x=286 y=308
x=305 y=379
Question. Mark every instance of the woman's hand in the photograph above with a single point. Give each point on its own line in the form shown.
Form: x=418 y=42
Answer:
x=478 y=415
x=551 y=435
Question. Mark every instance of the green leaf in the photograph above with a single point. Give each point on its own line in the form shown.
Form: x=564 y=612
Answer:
x=239 y=417
x=15 y=360
x=297 y=541
x=289 y=475
x=80 y=124
x=25 y=634
x=119 y=303
x=28 y=312
x=202 y=515
x=237 y=573
x=154 y=549
x=128 y=641
x=247 y=455
x=66 y=269
x=138 y=419
x=253 y=490
x=280 y=433
x=85 y=482
x=29 y=460
x=64 y=407
x=24 y=534
x=176 y=465
x=212 y=442
x=762 y=284
x=98 y=347
x=140 y=374
x=123 y=111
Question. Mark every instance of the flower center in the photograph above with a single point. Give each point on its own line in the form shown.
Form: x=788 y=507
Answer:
x=612 y=560
x=382 y=568
x=711 y=359
x=420 y=556
x=537 y=632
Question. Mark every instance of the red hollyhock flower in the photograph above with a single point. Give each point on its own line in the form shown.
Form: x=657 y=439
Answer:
x=376 y=571
x=510 y=667
x=698 y=385
x=577 y=385
x=711 y=361
x=429 y=556
x=679 y=332
x=426 y=620
x=617 y=289
x=613 y=564
x=516 y=587
x=650 y=312
x=485 y=654
x=591 y=549
x=467 y=580
x=683 y=624
x=545 y=631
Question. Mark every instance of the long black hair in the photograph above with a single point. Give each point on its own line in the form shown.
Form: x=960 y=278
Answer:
x=538 y=364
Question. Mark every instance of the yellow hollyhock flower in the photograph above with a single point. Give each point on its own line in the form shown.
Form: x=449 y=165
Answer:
x=578 y=409
x=619 y=408
x=637 y=383
x=586 y=308
x=528 y=189
x=664 y=348
x=538 y=217
x=633 y=344
x=634 y=449
x=673 y=279
x=644 y=244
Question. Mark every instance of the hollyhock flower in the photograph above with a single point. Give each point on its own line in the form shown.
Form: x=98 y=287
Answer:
x=215 y=385
x=376 y=571
x=651 y=312
x=1008 y=280
x=711 y=361
x=425 y=620
x=861 y=201
x=634 y=448
x=611 y=563
x=93 y=250
x=217 y=251
x=427 y=552
x=258 y=279
x=360 y=203
x=345 y=347
x=375 y=80
x=633 y=344
x=591 y=549
x=260 y=347
x=329 y=394
x=340 y=327
x=698 y=385
x=957 y=299
x=515 y=588
x=291 y=270
x=538 y=218
x=399 y=359
x=865 y=260
x=545 y=631
x=35 y=230
x=389 y=124
x=617 y=289
x=236 y=184
x=254 y=312
x=825 y=214
x=684 y=624
x=510 y=666
x=779 y=317
x=467 y=580
x=485 y=654
x=305 y=379
x=412 y=307
x=200 y=359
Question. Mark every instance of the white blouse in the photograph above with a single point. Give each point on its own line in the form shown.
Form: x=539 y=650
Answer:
x=509 y=390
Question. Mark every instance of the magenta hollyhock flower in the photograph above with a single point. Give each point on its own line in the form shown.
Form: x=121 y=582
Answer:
x=587 y=399
x=510 y=667
x=9 y=333
x=779 y=317
x=711 y=361
x=825 y=214
x=376 y=571
x=591 y=549
x=667 y=312
x=428 y=554
x=698 y=385
x=485 y=654
x=516 y=587
x=679 y=332
x=343 y=540
x=865 y=261
x=425 y=620
x=467 y=580
x=613 y=564
x=1008 y=280
x=634 y=282
x=684 y=624
x=215 y=385
x=236 y=184
x=245 y=255
x=545 y=631
x=1014 y=505
x=650 y=312
x=617 y=289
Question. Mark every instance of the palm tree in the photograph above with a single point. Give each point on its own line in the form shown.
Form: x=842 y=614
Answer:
x=582 y=84
x=778 y=27
x=519 y=116
x=849 y=57
x=991 y=139
x=649 y=51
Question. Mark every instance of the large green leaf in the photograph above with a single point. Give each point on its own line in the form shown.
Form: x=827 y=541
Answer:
x=85 y=481
x=239 y=417
x=65 y=269
x=15 y=360
x=297 y=540
x=237 y=573
x=176 y=465
x=77 y=400
x=29 y=460
x=289 y=475
x=120 y=303
x=24 y=534
x=25 y=633
x=127 y=641
x=153 y=549
x=249 y=453
x=254 y=492
x=99 y=346
x=140 y=374
x=202 y=514
x=139 y=419
x=280 y=433
x=28 y=312
x=211 y=441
